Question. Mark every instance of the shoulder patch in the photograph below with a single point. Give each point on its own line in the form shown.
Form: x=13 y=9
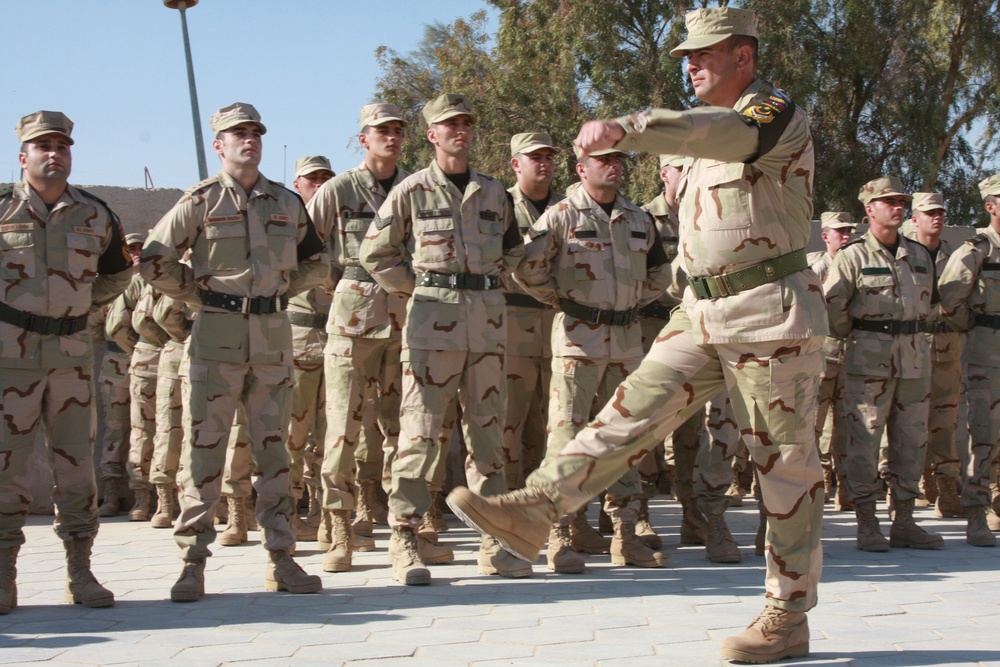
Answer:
x=977 y=239
x=770 y=111
x=202 y=185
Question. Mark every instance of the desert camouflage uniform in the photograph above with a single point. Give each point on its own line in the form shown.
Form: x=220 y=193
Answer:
x=113 y=383
x=747 y=199
x=453 y=339
x=56 y=263
x=364 y=337
x=831 y=430
x=173 y=317
x=887 y=381
x=255 y=244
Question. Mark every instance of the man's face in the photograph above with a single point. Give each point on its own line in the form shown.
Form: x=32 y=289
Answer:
x=308 y=184
x=383 y=141
x=239 y=146
x=886 y=212
x=452 y=136
x=47 y=158
x=671 y=177
x=135 y=252
x=837 y=238
x=534 y=168
x=713 y=73
x=602 y=171
x=929 y=223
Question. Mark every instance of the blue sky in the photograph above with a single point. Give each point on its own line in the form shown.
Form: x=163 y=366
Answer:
x=116 y=68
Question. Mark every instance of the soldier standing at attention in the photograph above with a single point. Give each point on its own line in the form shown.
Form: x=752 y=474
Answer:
x=879 y=293
x=447 y=235
x=752 y=320
x=252 y=244
x=970 y=300
x=62 y=252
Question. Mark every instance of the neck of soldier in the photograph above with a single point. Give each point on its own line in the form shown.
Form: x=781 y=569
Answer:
x=48 y=190
x=602 y=195
x=995 y=223
x=380 y=168
x=534 y=191
x=885 y=235
x=451 y=164
x=244 y=174
x=670 y=197
x=931 y=242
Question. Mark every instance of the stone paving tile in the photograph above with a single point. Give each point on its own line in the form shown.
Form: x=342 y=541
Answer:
x=497 y=651
x=116 y=653
x=597 y=651
x=539 y=636
x=359 y=651
x=315 y=636
x=237 y=652
x=285 y=662
x=201 y=637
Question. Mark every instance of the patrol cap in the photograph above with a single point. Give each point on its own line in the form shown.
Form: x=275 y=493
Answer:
x=447 y=106
x=233 y=115
x=40 y=123
x=378 y=113
x=529 y=142
x=882 y=187
x=990 y=186
x=135 y=237
x=605 y=151
x=837 y=220
x=707 y=27
x=310 y=163
x=676 y=161
x=927 y=201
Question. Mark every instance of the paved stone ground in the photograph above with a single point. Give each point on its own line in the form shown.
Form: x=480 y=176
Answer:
x=902 y=608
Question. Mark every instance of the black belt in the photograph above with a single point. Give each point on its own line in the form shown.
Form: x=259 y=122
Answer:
x=618 y=318
x=940 y=326
x=522 y=300
x=655 y=310
x=470 y=281
x=314 y=320
x=988 y=321
x=53 y=326
x=254 y=305
x=355 y=272
x=892 y=327
x=734 y=282
x=114 y=347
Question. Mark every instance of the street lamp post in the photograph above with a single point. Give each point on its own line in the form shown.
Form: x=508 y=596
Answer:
x=182 y=5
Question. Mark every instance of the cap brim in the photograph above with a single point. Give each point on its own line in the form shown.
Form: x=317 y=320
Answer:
x=606 y=151
x=695 y=43
x=383 y=121
x=312 y=170
x=260 y=125
x=841 y=225
x=928 y=207
x=886 y=195
x=531 y=148
x=43 y=133
x=451 y=114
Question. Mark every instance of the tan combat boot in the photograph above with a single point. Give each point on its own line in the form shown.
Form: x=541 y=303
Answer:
x=870 y=537
x=338 y=555
x=434 y=514
x=977 y=533
x=627 y=548
x=324 y=533
x=694 y=526
x=304 y=532
x=904 y=531
x=190 y=586
x=585 y=539
x=407 y=568
x=948 y=504
x=81 y=585
x=380 y=504
x=643 y=529
x=222 y=510
x=363 y=509
x=433 y=552
x=140 y=509
x=8 y=579
x=928 y=488
x=734 y=495
x=494 y=559
x=774 y=635
x=520 y=520
x=720 y=547
x=112 y=492
x=841 y=503
x=560 y=556
x=164 y=517
x=284 y=574
x=235 y=533
x=250 y=513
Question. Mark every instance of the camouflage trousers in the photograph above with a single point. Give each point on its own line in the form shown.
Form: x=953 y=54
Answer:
x=216 y=389
x=238 y=471
x=169 y=416
x=63 y=400
x=308 y=424
x=772 y=386
x=685 y=443
x=831 y=430
x=717 y=456
x=432 y=381
x=983 y=391
x=942 y=457
x=524 y=428
x=115 y=411
x=142 y=391
x=363 y=377
x=899 y=407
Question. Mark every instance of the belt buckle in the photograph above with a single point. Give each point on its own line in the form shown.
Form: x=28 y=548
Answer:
x=244 y=305
x=453 y=280
x=699 y=287
x=30 y=324
x=277 y=304
x=725 y=287
x=488 y=282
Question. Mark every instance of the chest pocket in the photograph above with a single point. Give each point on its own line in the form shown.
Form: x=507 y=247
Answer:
x=82 y=253
x=435 y=236
x=879 y=293
x=638 y=250
x=991 y=287
x=17 y=255
x=584 y=261
x=355 y=226
x=724 y=195
x=282 y=239
x=226 y=246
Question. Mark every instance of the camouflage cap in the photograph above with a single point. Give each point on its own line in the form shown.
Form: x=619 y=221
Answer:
x=884 y=186
x=707 y=27
x=311 y=163
x=604 y=151
x=133 y=238
x=40 y=123
x=378 y=113
x=837 y=220
x=927 y=201
x=447 y=106
x=233 y=115
x=990 y=186
x=529 y=142
x=676 y=161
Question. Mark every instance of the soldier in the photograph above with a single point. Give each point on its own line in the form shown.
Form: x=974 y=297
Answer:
x=460 y=238
x=836 y=231
x=941 y=469
x=752 y=319
x=878 y=295
x=364 y=334
x=970 y=300
x=252 y=244
x=62 y=252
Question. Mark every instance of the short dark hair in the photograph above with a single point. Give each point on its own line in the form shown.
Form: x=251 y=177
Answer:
x=736 y=41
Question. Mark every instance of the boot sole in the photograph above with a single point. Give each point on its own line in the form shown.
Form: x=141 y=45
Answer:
x=186 y=596
x=412 y=578
x=274 y=586
x=489 y=570
x=800 y=651
x=336 y=567
x=160 y=523
x=562 y=569
x=880 y=549
x=513 y=543
x=900 y=544
x=594 y=551
x=12 y=603
x=621 y=560
x=90 y=604
x=726 y=560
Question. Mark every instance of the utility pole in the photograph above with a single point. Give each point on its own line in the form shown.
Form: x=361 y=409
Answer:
x=182 y=6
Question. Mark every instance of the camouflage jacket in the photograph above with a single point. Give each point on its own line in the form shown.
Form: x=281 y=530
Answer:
x=118 y=325
x=746 y=198
x=146 y=358
x=175 y=318
x=427 y=225
x=576 y=253
x=947 y=345
x=833 y=347
x=343 y=210
x=867 y=282
x=970 y=286
x=668 y=226
x=56 y=263
x=257 y=244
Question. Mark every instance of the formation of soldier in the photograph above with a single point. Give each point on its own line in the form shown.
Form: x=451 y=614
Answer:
x=323 y=348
